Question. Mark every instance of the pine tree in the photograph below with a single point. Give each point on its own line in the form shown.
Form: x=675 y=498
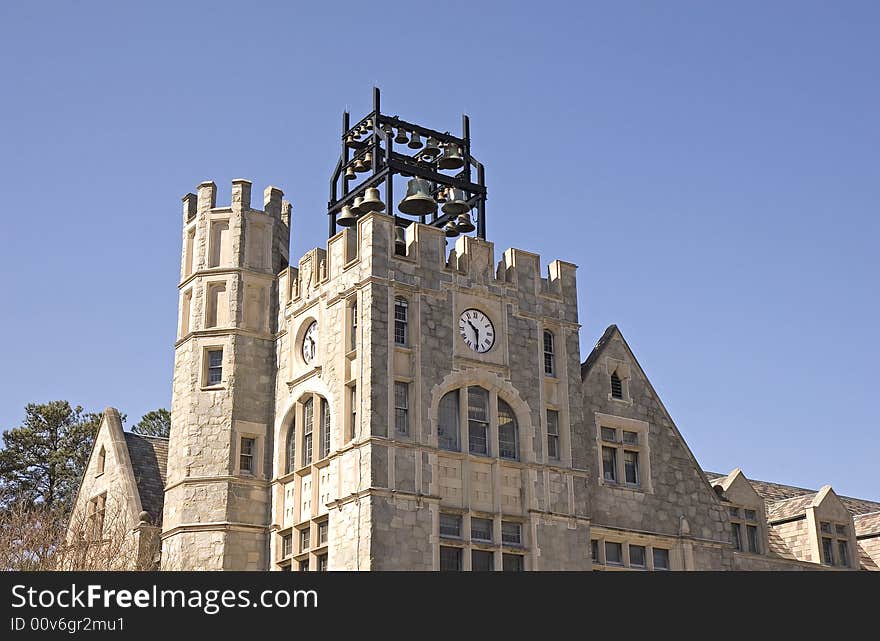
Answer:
x=155 y=423
x=43 y=459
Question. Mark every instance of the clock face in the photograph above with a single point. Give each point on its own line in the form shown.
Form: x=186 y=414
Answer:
x=310 y=343
x=477 y=330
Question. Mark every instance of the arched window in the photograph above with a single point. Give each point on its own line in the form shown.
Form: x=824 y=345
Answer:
x=290 y=449
x=549 y=354
x=508 y=439
x=401 y=330
x=448 y=429
x=308 y=423
x=488 y=433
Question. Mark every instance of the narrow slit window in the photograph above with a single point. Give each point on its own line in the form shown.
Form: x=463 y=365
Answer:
x=616 y=386
x=325 y=428
x=308 y=423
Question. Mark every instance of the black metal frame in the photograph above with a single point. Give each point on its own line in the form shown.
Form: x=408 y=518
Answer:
x=386 y=163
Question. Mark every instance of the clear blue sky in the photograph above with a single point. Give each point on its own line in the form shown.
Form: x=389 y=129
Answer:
x=713 y=169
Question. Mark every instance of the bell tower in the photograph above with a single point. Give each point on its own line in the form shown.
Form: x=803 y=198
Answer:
x=441 y=190
x=216 y=512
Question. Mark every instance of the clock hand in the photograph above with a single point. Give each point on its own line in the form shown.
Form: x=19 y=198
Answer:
x=476 y=332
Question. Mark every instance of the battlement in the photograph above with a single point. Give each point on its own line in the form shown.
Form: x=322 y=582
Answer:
x=370 y=246
x=205 y=200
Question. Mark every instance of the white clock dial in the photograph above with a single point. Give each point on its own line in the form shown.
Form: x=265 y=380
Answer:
x=476 y=330
x=310 y=343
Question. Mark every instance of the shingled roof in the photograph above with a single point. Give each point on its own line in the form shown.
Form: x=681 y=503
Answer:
x=867 y=523
x=149 y=462
x=591 y=359
x=773 y=493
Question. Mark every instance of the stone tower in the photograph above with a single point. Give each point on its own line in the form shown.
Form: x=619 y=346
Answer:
x=402 y=448
x=216 y=514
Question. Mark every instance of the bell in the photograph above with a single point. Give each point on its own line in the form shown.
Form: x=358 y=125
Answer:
x=432 y=147
x=455 y=202
x=415 y=142
x=356 y=206
x=349 y=173
x=372 y=201
x=366 y=163
x=389 y=132
x=451 y=158
x=441 y=195
x=350 y=140
x=347 y=218
x=359 y=166
x=418 y=200
x=401 y=136
x=463 y=224
x=451 y=229
x=399 y=237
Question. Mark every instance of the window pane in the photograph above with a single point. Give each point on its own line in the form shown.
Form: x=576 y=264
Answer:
x=447 y=424
x=613 y=553
x=400 y=321
x=323 y=529
x=827 y=552
x=290 y=463
x=661 y=559
x=512 y=562
x=478 y=420
x=481 y=529
x=401 y=407
x=450 y=559
x=354 y=325
x=553 y=434
x=304 y=565
x=752 y=533
x=511 y=533
x=751 y=515
x=630 y=438
x=631 y=467
x=609 y=465
x=549 y=356
x=322 y=563
x=594 y=550
x=842 y=553
x=450 y=525
x=734 y=512
x=637 y=556
x=508 y=446
x=286 y=545
x=304 y=539
x=840 y=529
x=609 y=434
x=325 y=428
x=482 y=561
x=825 y=527
x=737 y=536
x=308 y=424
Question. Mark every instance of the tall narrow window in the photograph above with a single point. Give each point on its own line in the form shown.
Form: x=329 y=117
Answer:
x=246 y=455
x=609 y=464
x=827 y=552
x=325 y=428
x=448 y=423
x=508 y=439
x=549 y=354
x=736 y=534
x=354 y=412
x=215 y=366
x=95 y=517
x=401 y=311
x=290 y=449
x=752 y=536
x=616 y=386
x=102 y=457
x=189 y=259
x=631 y=467
x=553 y=434
x=354 y=326
x=401 y=407
x=478 y=420
x=185 y=310
x=308 y=422
x=842 y=553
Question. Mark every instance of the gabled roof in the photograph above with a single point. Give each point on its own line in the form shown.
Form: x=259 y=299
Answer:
x=597 y=349
x=774 y=492
x=149 y=462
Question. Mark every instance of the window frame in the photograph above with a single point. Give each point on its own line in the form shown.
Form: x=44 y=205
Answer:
x=401 y=321
x=549 y=354
x=553 y=435
x=401 y=412
x=608 y=424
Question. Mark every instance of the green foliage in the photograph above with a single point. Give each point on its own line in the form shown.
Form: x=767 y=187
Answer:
x=155 y=423
x=43 y=459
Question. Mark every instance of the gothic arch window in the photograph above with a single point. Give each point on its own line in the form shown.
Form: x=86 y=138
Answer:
x=481 y=419
x=549 y=354
x=401 y=321
x=102 y=457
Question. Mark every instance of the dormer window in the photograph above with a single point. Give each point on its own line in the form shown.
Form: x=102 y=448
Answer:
x=616 y=386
